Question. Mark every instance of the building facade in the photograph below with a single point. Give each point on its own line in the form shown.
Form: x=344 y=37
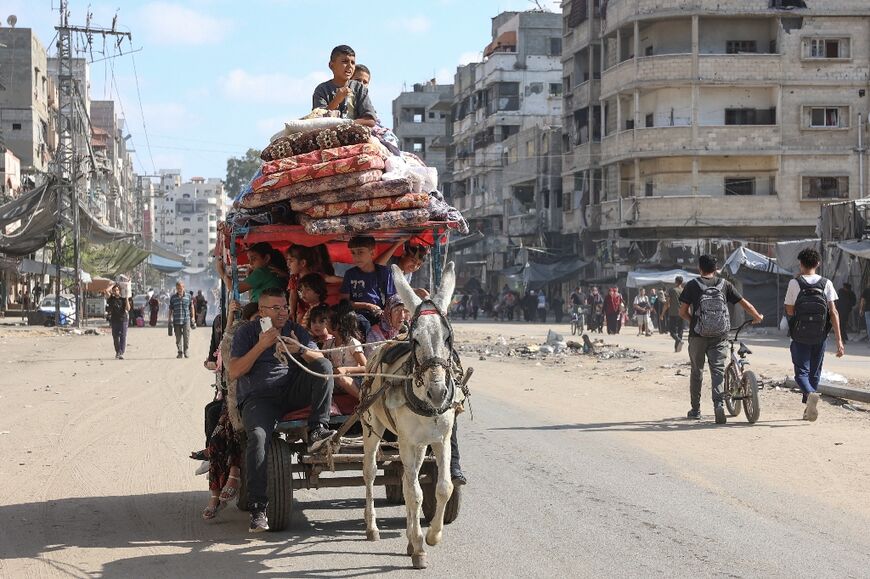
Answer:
x=420 y=121
x=494 y=173
x=28 y=100
x=702 y=119
x=188 y=214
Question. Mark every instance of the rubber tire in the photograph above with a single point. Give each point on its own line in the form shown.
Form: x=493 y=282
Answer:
x=732 y=406
x=573 y=329
x=750 y=403
x=279 y=487
x=395 y=494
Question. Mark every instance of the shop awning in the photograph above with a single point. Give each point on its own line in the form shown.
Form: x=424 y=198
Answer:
x=164 y=265
x=39 y=268
x=644 y=278
x=856 y=248
x=744 y=257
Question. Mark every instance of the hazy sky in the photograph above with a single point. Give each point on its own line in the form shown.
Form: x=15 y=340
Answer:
x=219 y=76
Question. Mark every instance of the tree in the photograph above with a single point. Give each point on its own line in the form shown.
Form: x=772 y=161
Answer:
x=240 y=170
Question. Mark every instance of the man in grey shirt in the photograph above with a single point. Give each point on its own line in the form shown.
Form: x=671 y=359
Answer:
x=349 y=97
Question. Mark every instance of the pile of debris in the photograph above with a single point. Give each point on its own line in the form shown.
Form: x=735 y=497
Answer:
x=555 y=345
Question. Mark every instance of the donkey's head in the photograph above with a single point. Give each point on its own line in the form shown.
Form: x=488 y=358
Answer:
x=431 y=337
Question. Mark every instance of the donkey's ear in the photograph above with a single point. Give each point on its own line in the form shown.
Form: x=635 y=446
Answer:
x=403 y=288
x=445 y=290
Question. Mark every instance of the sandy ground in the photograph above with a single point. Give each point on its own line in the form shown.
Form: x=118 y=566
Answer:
x=96 y=483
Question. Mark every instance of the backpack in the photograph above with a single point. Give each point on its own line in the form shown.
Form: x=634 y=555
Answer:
x=712 y=316
x=810 y=323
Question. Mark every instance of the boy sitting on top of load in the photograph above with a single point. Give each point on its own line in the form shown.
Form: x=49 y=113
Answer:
x=349 y=97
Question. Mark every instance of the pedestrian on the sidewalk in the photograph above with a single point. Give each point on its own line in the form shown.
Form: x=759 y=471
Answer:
x=661 y=317
x=542 y=307
x=845 y=304
x=154 y=309
x=642 y=308
x=180 y=318
x=557 y=304
x=675 y=322
x=200 y=306
x=704 y=304
x=613 y=310
x=811 y=305
x=37 y=293
x=595 y=301
x=864 y=310
x=117 y=310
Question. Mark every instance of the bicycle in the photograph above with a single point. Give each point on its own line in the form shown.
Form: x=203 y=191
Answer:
x=577 y=320
x=741 y=385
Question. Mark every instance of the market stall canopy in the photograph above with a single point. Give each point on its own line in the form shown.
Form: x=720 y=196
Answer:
x=856 y=248
x=40 y=268
x=164 y=265
x=787 y=252
x=643 y=278
x=745 y=257
x=116 y=258
x=165 y=251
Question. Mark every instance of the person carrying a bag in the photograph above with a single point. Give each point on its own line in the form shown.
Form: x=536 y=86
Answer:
x=709 y=323
x=811 y=306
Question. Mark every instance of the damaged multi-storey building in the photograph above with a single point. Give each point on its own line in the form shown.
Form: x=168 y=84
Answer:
x=709 y=120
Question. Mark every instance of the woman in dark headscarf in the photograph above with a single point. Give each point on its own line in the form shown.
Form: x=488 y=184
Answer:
x=392 y=320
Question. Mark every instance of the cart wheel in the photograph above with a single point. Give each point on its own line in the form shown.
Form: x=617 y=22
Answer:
x=395 y=495
x=451 y=512
x=280 y=484
x=750 y=403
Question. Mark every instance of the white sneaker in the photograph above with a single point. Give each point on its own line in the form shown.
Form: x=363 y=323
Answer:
x=812 y=411
x=202 y=468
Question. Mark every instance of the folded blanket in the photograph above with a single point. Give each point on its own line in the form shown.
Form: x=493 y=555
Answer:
x=320 y=156
x=409 y=201
x=318 y=171
x=374 y=190
x=309 y=124
x=300 y=143
x=441 y=211
x=365 y=222
x=339 y=181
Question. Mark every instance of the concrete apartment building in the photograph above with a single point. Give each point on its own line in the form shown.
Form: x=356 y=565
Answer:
x=676 y=111
x=28 y=99
x=421 y=121
x=500 y=106
x=188 y=214
x=114 y=187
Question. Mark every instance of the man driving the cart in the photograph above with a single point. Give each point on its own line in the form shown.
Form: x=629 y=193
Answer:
x=268 y=388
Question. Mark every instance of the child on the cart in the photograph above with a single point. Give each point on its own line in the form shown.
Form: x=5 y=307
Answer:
x=350 y=360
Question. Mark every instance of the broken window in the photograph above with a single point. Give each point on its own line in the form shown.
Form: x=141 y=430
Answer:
x=739 y=46
x=739 y=186
x=828 y=117
x=825 y=187
x=827 y=48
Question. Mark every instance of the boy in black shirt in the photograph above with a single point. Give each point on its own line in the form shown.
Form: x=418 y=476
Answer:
x=712 y=349
x=349 y=97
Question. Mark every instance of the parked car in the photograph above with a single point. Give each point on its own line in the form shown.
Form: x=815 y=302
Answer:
x=67 y=309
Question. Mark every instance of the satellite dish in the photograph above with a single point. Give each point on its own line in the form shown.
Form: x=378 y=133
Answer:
x=12 y=20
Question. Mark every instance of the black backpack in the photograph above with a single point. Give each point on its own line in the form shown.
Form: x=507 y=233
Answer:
x=811 y=322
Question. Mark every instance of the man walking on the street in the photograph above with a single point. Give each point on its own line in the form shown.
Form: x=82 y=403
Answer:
x=864 y=310
x=180 y=318
x=811 y=305
x=709 y=323
x=845 y=304
x=118 y=312
x=37 y=293
x=675 y=322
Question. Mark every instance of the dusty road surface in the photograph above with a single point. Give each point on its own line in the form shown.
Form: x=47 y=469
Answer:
x=577 y=466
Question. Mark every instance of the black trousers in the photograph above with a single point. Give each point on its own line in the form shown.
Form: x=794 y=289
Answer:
x=260 y=416
x=675 y=326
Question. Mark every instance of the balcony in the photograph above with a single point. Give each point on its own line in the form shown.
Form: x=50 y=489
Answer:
x=677 y=141
x=729 y=68
x=583 y=95
x=662 y=69
x=523 y=224
x=702 y=210
x=578 y=38
x=621 y=11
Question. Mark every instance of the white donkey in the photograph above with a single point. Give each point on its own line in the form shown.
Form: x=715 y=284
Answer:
x=420 y=410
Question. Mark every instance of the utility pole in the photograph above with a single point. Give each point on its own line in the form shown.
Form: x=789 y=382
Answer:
x=67 y=161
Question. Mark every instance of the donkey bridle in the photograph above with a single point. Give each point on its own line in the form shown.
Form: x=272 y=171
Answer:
x=416 y=404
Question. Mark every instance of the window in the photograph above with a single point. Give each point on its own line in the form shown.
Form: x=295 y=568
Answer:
x=566 y=201
x=431 y=115
x=739 y=186
x=750 y=116
x=829 y=117
x=648 y=51
x=825 y=187
x=555 y=46
x=739 y=46
x=649 y=188
x=504 y=96
x=827 y=48
x=555 y=89
x=650 y=120
x=530 y=148
x=16 y=126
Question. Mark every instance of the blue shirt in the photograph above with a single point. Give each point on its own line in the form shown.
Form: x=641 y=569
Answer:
x=371 y=288
x=180 y=307
x=268 y=376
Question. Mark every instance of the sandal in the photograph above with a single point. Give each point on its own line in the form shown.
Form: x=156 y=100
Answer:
x=199 y=455
x=230 y=492
x=210 y=512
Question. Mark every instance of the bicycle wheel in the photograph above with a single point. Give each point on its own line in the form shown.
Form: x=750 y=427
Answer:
x=750 y=402
x=733 y=406
x=573 y=328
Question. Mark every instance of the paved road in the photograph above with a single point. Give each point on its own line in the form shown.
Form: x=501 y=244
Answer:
x=565 y=480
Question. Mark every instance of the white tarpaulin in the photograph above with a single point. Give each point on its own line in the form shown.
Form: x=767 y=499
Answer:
x=645 y=278
x=858 y=248
x=743 y=257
